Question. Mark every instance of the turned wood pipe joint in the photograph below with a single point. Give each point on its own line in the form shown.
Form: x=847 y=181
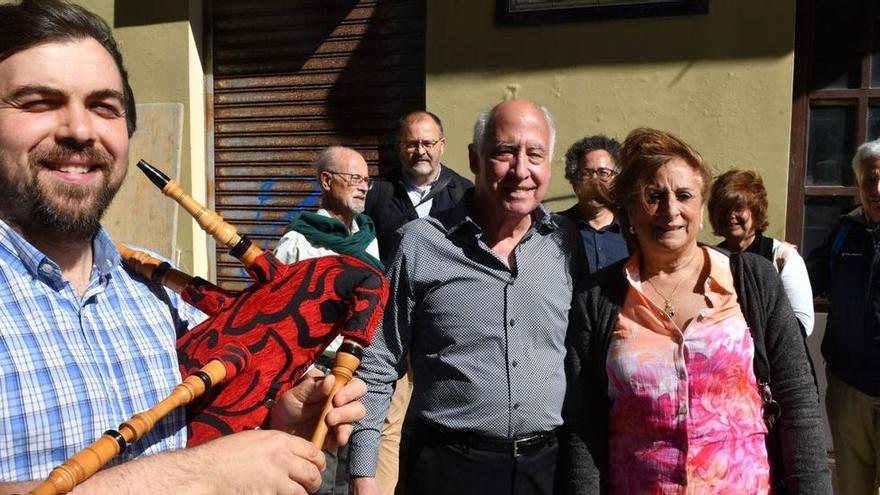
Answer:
x=348 y=357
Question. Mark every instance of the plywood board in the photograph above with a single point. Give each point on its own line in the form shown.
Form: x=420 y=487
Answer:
x=140 y=215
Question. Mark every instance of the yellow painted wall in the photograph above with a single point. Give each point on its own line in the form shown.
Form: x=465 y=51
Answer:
x=722 y=81
x=160 y=43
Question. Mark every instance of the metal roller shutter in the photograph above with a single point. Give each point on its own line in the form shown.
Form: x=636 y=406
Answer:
x=292 y=77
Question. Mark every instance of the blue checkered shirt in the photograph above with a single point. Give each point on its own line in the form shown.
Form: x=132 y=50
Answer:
x=71 y=368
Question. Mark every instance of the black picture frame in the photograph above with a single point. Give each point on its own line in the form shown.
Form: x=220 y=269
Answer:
x=508 y=13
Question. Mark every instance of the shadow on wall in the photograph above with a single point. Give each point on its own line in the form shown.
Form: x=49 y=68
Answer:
x=385 y=75
x=129 y=13
x=351 y=67
x=291 y=77
x=370 y=54
x=739 y=29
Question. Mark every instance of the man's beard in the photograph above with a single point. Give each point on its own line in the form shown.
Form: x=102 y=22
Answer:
x=59 y=209
x=421 y=166
x=353 y=206
x=598 y=191
x=347 y=207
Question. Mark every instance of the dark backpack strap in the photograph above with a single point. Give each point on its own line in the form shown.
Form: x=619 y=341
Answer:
x=158 y=290
x=457 y=192
x=438 y=186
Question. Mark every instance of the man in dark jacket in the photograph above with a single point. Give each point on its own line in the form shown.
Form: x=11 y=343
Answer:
x=846 y=269
x=590 y=167
x=421 y=187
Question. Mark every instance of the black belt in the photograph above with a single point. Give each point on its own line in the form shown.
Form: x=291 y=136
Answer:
x=517 y=446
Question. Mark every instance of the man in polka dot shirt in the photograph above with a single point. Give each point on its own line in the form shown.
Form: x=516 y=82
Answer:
x=480 y=299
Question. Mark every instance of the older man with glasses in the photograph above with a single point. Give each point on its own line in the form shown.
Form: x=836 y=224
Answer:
x=590 y=167
x=338 y=227
x=421 y=187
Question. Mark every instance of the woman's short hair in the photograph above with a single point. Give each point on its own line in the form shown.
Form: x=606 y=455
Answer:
x=642 y=153
x=738 y=189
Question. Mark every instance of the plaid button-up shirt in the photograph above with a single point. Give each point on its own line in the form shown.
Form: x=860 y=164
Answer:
x=71 y=367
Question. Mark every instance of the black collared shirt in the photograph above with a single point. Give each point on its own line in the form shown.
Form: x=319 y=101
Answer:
x=603 y=246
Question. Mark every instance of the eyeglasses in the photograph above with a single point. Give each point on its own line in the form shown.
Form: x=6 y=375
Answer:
x=603 y=174
x=353 y=179
x=414 y=145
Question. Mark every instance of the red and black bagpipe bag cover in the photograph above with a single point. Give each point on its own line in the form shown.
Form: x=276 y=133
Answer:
x=270 y=333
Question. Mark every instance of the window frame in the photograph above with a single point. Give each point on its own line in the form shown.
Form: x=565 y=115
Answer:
x=798 y=191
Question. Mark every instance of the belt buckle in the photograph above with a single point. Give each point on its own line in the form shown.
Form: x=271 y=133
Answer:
x=517 y=442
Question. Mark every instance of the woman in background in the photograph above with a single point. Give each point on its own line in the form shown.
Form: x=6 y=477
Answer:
x=738 y=212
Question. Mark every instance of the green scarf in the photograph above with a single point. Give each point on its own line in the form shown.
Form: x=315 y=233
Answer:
x=332 y=234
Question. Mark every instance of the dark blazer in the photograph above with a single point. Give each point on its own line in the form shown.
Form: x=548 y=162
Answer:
x=798 y=460
x=389 y=207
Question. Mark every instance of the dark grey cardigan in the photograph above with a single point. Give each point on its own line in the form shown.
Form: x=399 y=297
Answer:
x=800 y=462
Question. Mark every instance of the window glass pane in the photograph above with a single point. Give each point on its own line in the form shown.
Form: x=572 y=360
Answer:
x=820 y=215
x=873 y=122
x=830 y=146
x=836 y=62
x=875 y=50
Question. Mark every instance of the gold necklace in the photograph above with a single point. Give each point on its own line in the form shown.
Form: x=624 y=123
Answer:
x=668 y=307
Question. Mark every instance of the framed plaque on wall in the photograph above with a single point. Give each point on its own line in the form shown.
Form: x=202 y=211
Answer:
x=533 y=12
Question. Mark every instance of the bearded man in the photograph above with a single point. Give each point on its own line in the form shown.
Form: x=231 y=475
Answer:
x=338 y=227
x=85 y=343
x=590 y=167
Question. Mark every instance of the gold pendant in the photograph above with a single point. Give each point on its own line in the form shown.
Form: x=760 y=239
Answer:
x=669 y=309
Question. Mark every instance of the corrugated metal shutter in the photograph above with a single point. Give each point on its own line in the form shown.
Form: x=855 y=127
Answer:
x=292 y=77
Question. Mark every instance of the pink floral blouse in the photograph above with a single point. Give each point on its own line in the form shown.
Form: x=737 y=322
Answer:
x=686 y=413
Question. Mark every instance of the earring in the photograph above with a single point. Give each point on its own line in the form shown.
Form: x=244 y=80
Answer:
x=632 y=230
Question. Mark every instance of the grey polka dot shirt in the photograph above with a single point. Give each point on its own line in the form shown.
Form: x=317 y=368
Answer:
x=487 y=342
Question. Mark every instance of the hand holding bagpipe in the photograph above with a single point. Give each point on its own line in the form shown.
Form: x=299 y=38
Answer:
x=255 y=344
x=88 y=461
x=210 y=299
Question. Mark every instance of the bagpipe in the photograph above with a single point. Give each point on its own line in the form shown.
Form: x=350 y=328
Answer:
x=254 y=345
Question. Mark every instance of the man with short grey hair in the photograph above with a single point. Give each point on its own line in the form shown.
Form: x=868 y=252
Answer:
x=846 y=269
x=481 y=295
x=338 y=227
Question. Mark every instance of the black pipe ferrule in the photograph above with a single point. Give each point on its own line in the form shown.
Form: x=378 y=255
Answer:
x=206 y=379
x=351 y=348
x=239 y=249
x=120 y=440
